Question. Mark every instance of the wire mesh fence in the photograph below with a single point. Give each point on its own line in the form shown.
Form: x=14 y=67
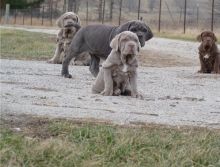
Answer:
x=160 y=15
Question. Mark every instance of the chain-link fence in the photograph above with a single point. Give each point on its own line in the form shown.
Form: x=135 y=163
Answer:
x=160 y=15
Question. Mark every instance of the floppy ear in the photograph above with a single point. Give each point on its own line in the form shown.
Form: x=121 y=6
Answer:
x=114 y=43
x=139 y=46
x=149 y=33
x=199 y=37
x=78 y=20
x=59 y=22
x=215 y=38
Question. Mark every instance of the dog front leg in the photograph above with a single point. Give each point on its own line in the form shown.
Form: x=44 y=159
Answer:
x=216 y=68
x=94 y=65
x=133 y=84
x=203 y=68
x=56 y=58
x=108 y=82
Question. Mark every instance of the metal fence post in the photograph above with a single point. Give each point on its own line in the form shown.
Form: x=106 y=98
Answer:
x=31 y=15
x=213 y=4
x=1 y=15
x=103 y=12
x=197 y=16
x=7 y=10
x=42 y=21
x=51 y=13
x=15 y=16
x=87 y=12
x=23 y=18
x=120 y=6
x=139 y=6
x=159 y=20
x=184 y=24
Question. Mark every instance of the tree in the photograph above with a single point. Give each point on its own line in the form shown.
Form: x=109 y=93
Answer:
x=21 y=4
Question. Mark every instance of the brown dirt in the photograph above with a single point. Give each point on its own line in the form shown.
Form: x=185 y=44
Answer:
x=152 y=58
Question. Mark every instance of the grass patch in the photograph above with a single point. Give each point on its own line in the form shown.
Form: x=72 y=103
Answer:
x=17 y=44
x=24 y=45
x=44 y=142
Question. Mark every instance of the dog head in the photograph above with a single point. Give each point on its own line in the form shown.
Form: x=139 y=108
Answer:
x=138 y=27
x=208 y=39
x=68 y=19
x=128 y=45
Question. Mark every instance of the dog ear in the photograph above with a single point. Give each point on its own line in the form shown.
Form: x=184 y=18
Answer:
x=199 y=37
x=115 y=43
x=78 y=20
x=215 y=38
x=149 y=34
x=139 y=46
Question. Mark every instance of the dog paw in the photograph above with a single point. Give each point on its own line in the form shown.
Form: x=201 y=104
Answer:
x=50 y=61
x=117 y=92
x=137 y=95
x=67 y=75
x=106 y=93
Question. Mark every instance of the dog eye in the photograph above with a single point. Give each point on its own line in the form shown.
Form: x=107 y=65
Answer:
x=133 y=29
x=145 y=30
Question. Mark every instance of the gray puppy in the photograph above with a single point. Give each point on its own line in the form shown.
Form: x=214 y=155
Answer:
x=95 y=39
x=118 y=74
x=69 y=24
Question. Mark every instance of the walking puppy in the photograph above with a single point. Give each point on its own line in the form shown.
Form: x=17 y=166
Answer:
x=95 y=39
x=209 y=54
x=69 y=24
x=118 y=74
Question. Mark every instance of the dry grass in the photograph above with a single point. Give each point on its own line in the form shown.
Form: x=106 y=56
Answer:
x=44 y=142
x=16 y=44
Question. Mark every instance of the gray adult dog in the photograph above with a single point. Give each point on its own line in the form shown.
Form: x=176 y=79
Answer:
x=118 y=74
x=96 y=39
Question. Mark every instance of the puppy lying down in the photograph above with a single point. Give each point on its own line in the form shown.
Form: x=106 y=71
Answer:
x=118 y=75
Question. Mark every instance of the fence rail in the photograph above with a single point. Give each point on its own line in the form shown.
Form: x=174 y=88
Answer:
x=161 y=15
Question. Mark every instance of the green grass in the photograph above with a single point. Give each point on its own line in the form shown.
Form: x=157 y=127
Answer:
x=17 y=44
x=23 y=45
x=64 y=143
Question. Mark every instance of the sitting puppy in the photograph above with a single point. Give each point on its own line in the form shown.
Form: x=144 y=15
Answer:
x=119 y=72
x=69 y=24
x=209 y=54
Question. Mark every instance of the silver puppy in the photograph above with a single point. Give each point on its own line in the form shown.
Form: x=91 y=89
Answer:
x=118 y=74
x=69 y=24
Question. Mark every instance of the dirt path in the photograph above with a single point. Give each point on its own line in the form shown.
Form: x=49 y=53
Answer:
x=174 y=93
x=173 y=96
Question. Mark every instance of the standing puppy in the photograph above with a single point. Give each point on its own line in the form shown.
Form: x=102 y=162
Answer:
x=119 y=72
x=69 y=24
x=209 y=54
x=95 y=39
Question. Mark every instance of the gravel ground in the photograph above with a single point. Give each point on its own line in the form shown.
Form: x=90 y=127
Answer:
x=175 y=95
x=172 y=96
